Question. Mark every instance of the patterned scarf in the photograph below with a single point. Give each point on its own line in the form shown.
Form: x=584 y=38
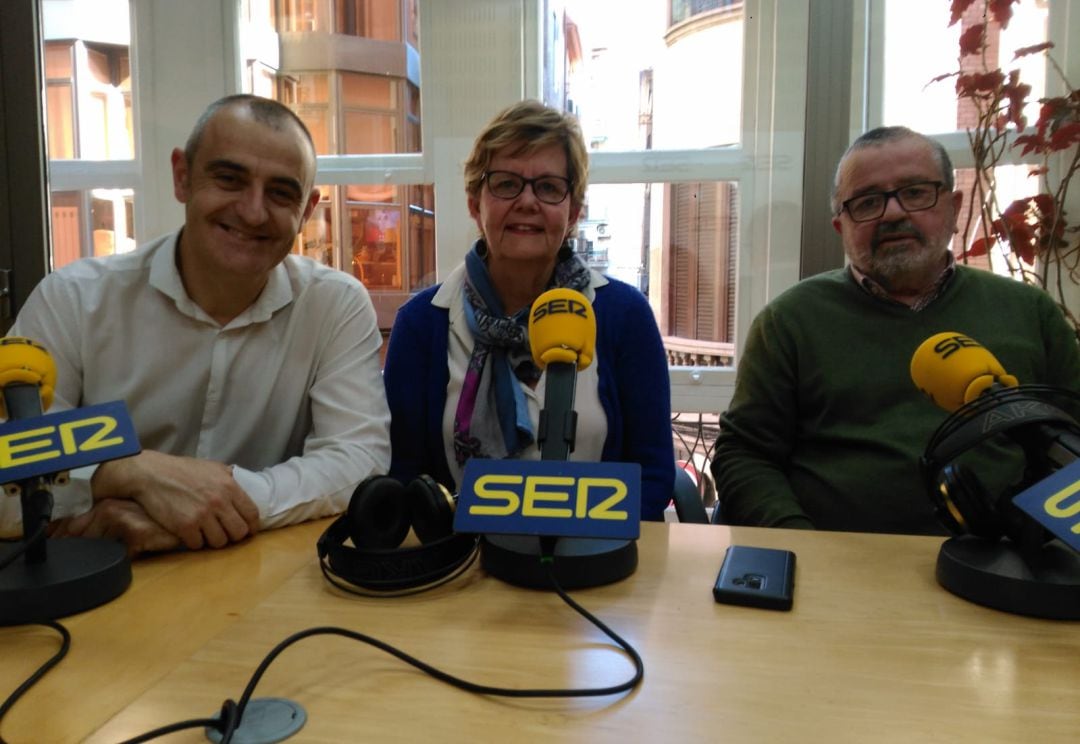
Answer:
x=492 y=416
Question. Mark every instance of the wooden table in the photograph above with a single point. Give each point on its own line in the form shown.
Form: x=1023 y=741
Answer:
x=874 y=651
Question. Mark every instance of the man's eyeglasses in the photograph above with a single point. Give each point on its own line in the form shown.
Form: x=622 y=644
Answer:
x=914 y=197
x=507 y=185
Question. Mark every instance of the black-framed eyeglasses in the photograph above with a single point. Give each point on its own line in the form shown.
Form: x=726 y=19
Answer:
x=914 y=197
x=507 y=185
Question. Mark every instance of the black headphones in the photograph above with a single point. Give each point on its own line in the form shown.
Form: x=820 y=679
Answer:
x=379 y=516
x=961 y=502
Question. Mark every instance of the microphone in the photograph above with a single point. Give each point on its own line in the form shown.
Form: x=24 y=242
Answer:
x=27 y=378
x=953 y=369
x=562 y=337
x=1027 y=573
x=57 y=576
x=27 y=381
x=585 y=515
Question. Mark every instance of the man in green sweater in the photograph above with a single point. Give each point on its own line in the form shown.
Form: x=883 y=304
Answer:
x=826 y=428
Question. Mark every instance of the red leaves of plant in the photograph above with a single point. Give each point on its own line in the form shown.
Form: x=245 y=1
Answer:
x=972 y=40
x=1001 y=10
x=994 y=88
x=1025 y=51
x=975 y=83
x=958 y=8
x=1065 y=137
x=1017 y=94
x=1028 y=226
x=1057 y=128
x=980 y=247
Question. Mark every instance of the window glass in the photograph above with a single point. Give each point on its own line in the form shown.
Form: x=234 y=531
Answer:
x=316 y=241
x=682 y=10
x=369 y=91
x=93 y=222
x=421 y=215
x=1010 y=182
x=58 y=60
x=412 y=25
x=357 y=99
x=369 y=133
x=59 y=99
x=920 y=45
x=376 y=247
x=60 y=112
x=312 y=105
x=413 y=138
x=305 y=15
x=313 y=88
x=88 y=92
x=637 y=84
x=89 y=116
x=677 y=243
x=372 y=19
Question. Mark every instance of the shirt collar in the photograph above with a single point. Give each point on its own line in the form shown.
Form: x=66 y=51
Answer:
x=922 y=301
x=165 y=277
x=451 y=288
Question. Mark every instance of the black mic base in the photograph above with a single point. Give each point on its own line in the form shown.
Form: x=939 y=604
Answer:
x=580 y=562
x=1044 y=582
x=79 y=573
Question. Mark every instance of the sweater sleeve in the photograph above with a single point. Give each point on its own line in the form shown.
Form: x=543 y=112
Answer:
x=406 y=376
x=643 y=387
x=416 y=375
x=757 y=432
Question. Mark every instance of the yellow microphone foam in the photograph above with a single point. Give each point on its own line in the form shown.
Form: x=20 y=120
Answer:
x=22 y=360
x=953 y=369
x=562 y=328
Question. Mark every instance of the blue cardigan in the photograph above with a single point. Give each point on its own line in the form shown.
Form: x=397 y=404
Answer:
x=635 y=390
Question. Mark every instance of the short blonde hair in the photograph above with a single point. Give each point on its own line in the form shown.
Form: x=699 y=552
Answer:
x=528 y=126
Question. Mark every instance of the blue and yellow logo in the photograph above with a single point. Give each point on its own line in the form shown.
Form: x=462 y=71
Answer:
x=62 y=441
x=1054 y=502
x=550 y=497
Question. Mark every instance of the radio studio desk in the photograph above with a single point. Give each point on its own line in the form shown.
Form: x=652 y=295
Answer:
x=874 y=651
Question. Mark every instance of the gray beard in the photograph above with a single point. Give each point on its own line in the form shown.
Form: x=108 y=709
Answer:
x=906 y=270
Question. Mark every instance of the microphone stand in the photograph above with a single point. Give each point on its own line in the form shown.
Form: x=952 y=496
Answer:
x=581 y=561
x=1031 y=575
x=54 y=577
x=558 y=416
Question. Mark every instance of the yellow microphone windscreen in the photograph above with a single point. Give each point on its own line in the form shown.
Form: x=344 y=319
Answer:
x=562 y=328
x=953 y=369
x=23 y=360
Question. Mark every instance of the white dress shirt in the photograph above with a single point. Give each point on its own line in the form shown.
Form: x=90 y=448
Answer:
x=289 y=392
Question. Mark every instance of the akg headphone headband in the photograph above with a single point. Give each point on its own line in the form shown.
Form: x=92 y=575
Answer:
x=986 y=417
x=378 y=518
x=391 y=569
x=959 y=500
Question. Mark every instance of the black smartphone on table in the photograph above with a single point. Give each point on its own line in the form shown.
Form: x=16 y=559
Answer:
x=756 y=577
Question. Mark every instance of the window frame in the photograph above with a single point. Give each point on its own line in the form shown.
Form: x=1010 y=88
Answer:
x=779 y=173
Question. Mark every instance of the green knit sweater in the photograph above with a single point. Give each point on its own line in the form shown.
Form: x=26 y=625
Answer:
x=826 y=428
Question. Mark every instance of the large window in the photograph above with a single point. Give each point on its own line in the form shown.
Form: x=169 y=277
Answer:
x=89 y=119
x=907 y=77
x=638 y=86
x=348 y=69
x=694 y=112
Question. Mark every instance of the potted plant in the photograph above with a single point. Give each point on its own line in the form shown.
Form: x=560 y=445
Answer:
x=1032 y=234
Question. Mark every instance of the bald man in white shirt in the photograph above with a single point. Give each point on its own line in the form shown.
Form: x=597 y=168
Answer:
x=252 y=375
